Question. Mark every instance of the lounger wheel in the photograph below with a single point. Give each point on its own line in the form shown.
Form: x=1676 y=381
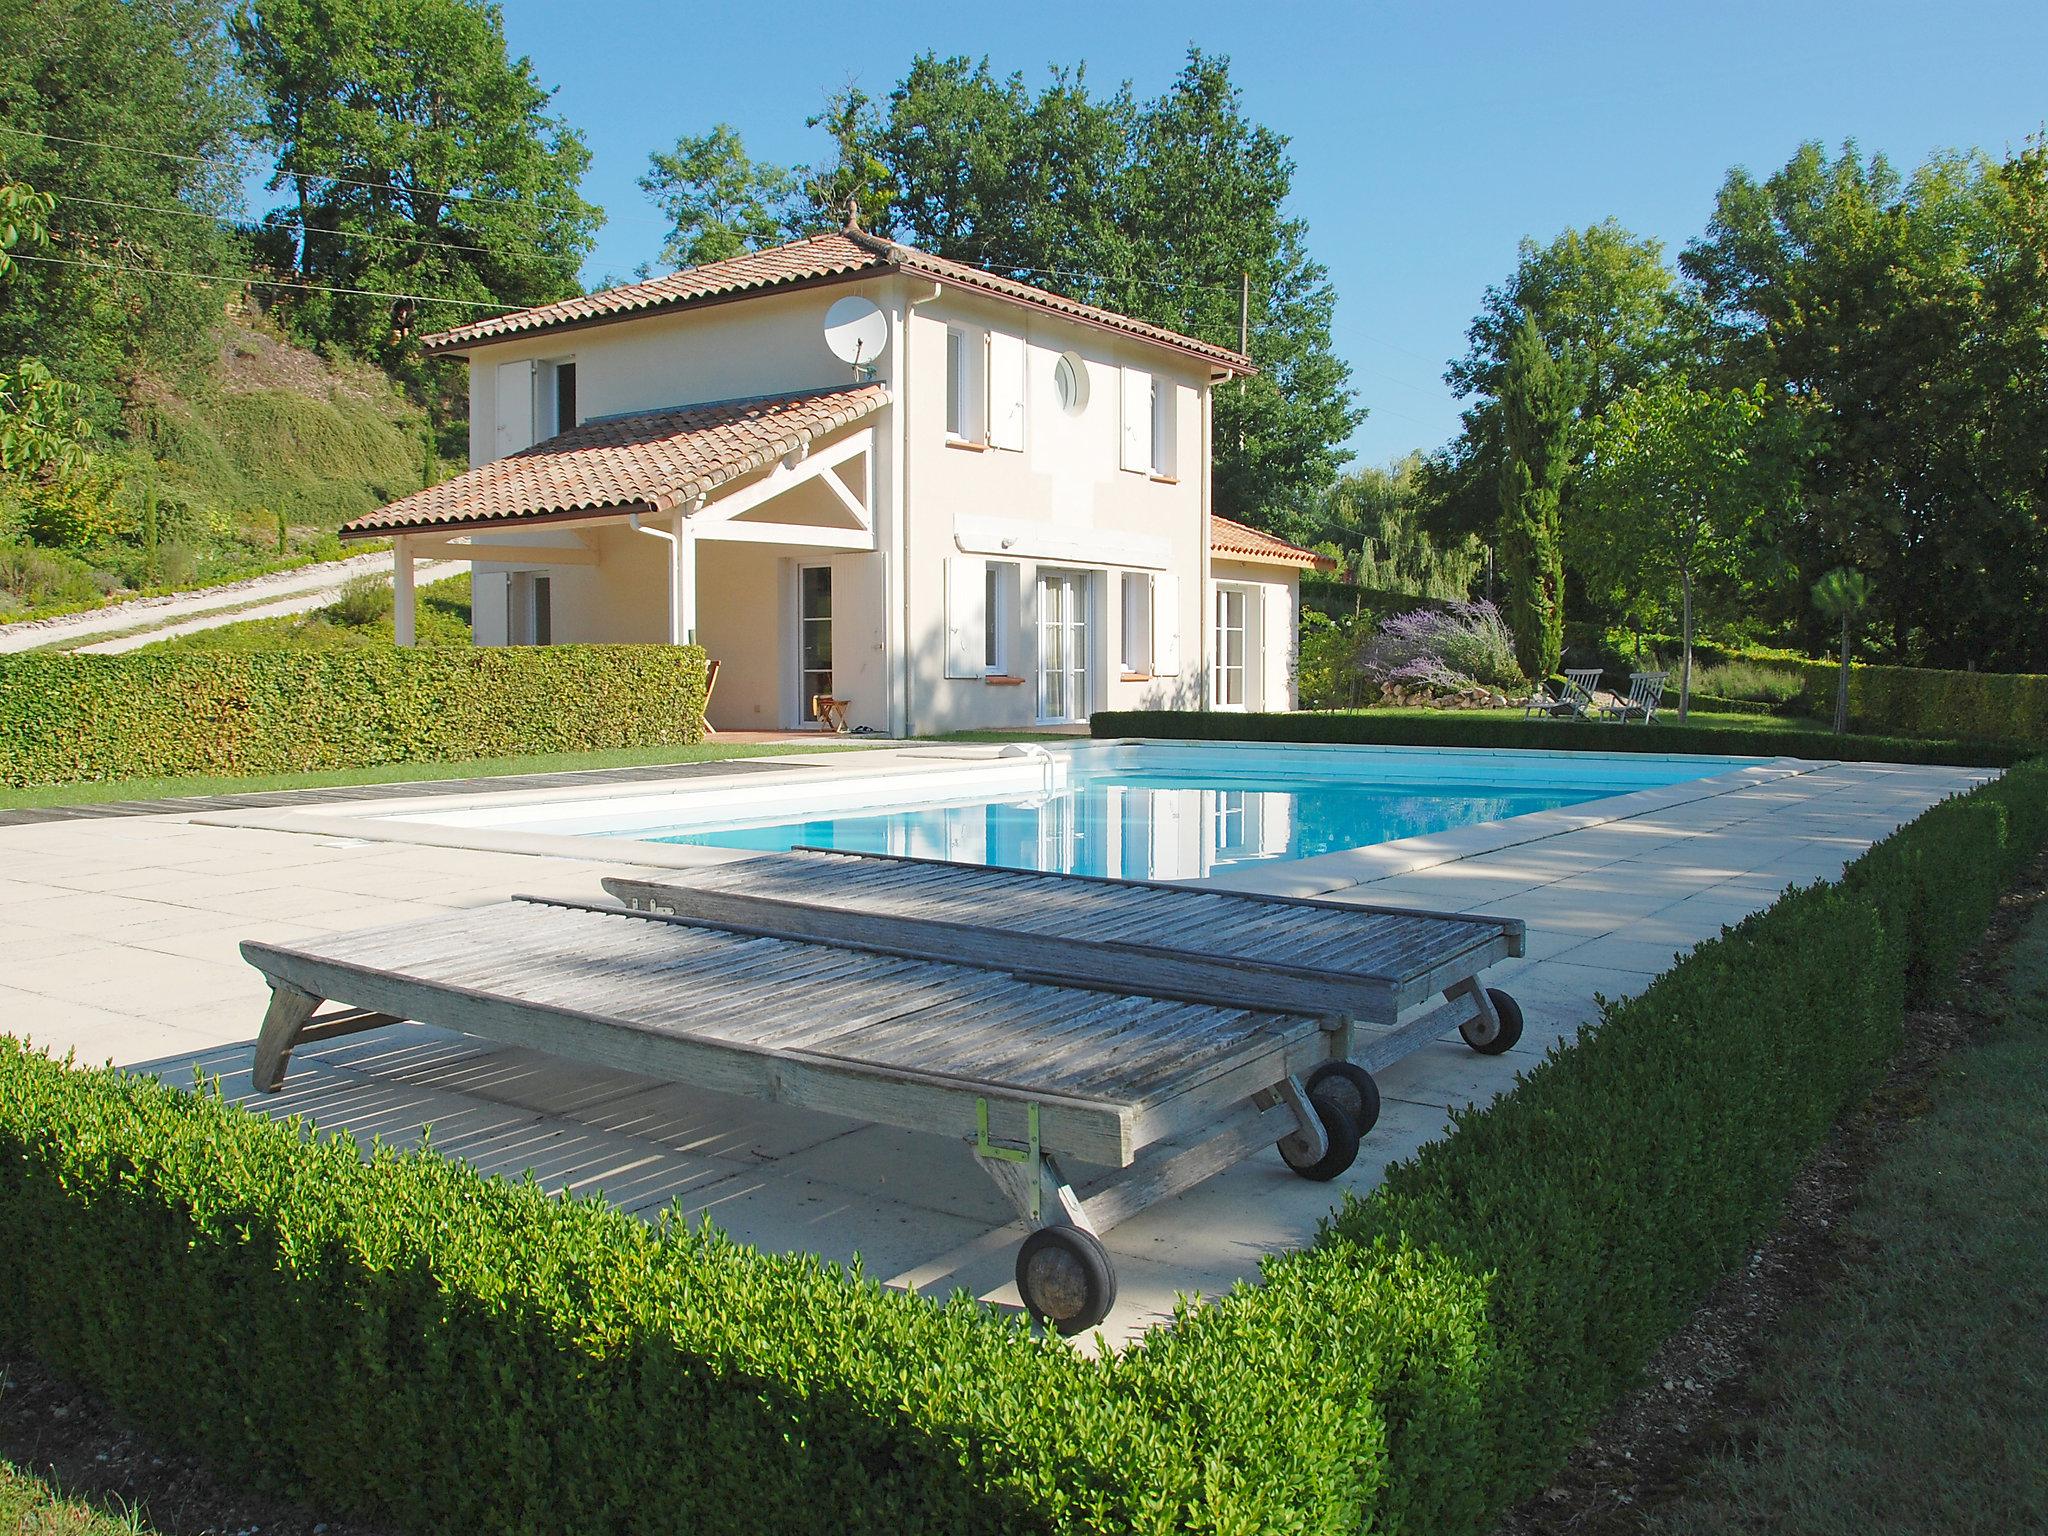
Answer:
x=1065 y=1278
x=1329 y=1100
x=1503 y=1039
x=1351 y=1088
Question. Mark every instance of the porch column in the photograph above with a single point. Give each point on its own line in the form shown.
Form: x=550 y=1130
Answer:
x=402 y=604
x=682 y=584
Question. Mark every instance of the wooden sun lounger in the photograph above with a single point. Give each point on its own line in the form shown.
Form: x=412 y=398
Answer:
x=1170 y=1064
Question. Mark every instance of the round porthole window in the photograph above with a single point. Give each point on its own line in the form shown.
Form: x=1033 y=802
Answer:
x=1070 y=383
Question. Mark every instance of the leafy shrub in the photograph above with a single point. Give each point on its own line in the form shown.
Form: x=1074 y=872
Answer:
x=44 y=578
x=1919 y=701
x=1449 y=646
x=1498 y=729
x=1760 y=682
x=363 y=600
x=400 y=1336
x=171 y=711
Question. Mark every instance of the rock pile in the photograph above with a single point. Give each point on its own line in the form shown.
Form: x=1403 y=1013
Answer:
x=1426 y=696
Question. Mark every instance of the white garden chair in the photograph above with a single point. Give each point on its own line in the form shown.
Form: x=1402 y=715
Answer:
x=1645 y=693
x=1576 y=702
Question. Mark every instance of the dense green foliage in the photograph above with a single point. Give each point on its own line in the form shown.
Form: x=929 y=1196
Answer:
x=1507 y=728
x=82 y=83
x=1908 y=315
x=159 y=712
x=1164 y=210
x=420 y=160
x=402 y=1336
x=1368 y=520
x=1535 y=410
x=1681 y=483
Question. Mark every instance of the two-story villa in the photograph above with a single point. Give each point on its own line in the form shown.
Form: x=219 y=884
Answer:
x=997 y=516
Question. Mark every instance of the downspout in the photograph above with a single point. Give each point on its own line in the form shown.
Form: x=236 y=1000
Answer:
x=678 y=632
x=901 y=539
x=1206 y=598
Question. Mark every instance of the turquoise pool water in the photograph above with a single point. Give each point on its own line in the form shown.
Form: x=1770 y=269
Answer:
x=1143 y=812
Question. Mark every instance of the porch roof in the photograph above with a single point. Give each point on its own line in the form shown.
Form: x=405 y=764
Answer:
x=1240 y=541
x=650 y=462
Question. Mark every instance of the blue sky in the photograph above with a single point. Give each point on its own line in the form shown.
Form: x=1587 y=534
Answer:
x=1429 y=138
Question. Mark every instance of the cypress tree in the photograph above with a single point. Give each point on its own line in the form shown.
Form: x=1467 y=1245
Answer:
x=1536 y=406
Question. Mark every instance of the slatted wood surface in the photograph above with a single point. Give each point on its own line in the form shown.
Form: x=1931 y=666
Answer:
x=768 y=1003
x=1414 y=954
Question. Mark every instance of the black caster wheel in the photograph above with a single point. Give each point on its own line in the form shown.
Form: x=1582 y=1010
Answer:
x=1065 y=1279
x=1502 y=1039
x=1351 y=1089
x=1328 y=1101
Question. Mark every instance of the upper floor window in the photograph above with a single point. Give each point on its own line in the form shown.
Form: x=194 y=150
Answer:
x=956 y=384
x=1070 y=383
x=1148 y=426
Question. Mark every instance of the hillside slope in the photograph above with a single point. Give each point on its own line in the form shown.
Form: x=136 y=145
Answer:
x=248 y=465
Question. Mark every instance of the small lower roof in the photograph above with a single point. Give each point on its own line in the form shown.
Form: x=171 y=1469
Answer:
x=1241 y=541
x=653 y=462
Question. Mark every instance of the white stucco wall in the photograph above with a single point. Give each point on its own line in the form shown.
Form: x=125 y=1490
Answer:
x=1278 y=622
x=1067 y=482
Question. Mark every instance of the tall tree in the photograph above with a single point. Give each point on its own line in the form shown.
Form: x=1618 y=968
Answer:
x=125 y=111
x=1613 y=315
x=1368 y=520
x=719 y=201
x=1909 y=318
x=1536 y=399
x=1684 y=481
x=420 y=158
x=1841 y=596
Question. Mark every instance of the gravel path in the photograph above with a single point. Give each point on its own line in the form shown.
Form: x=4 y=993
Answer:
x=179 y=613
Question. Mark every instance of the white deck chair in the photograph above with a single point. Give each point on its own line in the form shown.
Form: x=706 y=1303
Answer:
x=1645 y=693
x=1576 y=703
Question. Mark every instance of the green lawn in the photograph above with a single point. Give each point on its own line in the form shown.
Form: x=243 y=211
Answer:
x=1913 y=1395
x=401 y=773
x=31 y=1507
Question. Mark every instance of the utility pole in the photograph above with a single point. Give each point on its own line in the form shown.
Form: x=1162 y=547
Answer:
x=1244 y=342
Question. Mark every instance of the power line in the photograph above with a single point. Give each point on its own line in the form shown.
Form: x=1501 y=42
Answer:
x=446 y=194
x=194 y=213
x=266 y=282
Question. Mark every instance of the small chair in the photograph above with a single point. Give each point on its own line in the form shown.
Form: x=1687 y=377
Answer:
x=830 y=712
x=1575 y=703
x=1645 y=693
x=710 y=686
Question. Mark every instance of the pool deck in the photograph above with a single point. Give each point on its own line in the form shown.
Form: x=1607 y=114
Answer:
x=120 y=934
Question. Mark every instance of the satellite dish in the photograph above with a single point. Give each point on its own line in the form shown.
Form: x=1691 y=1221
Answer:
x=856 y=331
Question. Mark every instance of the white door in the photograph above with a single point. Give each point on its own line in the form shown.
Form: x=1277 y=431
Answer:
x=813 y=638
x=1237 y=649
x=1062 y=647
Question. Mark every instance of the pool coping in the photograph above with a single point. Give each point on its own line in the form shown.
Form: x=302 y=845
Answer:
x=368 y=820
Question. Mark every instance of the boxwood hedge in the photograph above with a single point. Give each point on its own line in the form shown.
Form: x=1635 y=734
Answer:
x=1369 y=727
x=1922 y=701
x=152 y=713
x=399 y=1338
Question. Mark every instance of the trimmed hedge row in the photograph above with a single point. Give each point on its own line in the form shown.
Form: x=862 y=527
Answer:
x=150 y=714
x=1920 y=701
x=400 y=1338
x=1368 y=727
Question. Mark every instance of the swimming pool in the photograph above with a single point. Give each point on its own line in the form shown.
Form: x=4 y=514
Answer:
x=1139 y=811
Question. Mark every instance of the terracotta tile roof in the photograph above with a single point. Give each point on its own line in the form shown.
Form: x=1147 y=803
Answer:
x=1238 y=541
x=649 y=462
x=838 y=256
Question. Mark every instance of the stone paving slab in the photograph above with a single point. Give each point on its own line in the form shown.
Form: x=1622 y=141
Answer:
x=120 y=942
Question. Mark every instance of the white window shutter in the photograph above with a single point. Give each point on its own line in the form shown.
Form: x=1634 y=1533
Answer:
x=515 y=407
x=1166 y=625
x=1005 y=391
x=1137 y=405
x=966 y=618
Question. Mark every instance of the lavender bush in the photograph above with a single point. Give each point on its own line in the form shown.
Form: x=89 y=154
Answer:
x=1453 y=647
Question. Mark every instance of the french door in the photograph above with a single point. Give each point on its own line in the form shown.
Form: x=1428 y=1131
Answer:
x=1235 y=649
x=813 y=638
x=1062 y=647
